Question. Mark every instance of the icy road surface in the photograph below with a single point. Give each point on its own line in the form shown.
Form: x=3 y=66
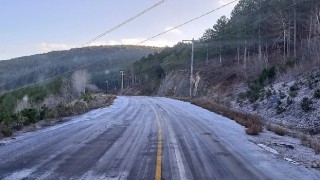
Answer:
x=143 y=138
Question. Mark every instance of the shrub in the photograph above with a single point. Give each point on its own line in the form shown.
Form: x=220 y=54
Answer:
x=294 y=87
x=306 y=104
x=280 y=109
x=242 y=96
x=80 y=107
x=7 y=131
x=267 y=74
x=87 y=97
x=317 y=94
x=277 y=130
x=310 y=142
x=43 y=112
x=253 y=129
x=63 y=110
x=268 y=93
x=282 y=95
x=31 y=114
x=310 y=84
x=289 y=101
x=293 y=94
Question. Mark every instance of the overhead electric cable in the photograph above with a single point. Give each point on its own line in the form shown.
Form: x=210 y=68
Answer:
x=187 y=22
x=88 y=42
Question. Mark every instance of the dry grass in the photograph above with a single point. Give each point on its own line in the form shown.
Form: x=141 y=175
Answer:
x=311 y=143
x=277 y=130
x=251 y=122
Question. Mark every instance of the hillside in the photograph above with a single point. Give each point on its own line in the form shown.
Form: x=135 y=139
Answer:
x=101 y=61
x=241 y=61
x=262 y=61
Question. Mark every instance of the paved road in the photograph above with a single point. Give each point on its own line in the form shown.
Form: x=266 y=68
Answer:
x=138 y=138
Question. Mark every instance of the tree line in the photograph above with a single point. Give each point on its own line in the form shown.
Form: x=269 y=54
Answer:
x=259 y=34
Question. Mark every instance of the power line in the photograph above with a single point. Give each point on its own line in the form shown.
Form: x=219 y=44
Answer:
x=88 y=42
x=125 y=22
x=58 y=75
x=185 y=23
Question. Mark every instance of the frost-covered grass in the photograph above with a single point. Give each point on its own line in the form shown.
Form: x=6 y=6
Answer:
x=291 y=103
x=11 y=122
x=276 y=129
x=253 y=123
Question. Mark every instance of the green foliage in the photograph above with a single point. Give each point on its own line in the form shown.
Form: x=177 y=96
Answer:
x=266 y=76
x=31 y=114
x=280 y=109
x=294 y=87
x=7 y=131
x=256 y=88
x=65 y=61
x=293 y=90
x=289 y=101
x=87 y=97
x=268 y=93
x=306 y=104
x=293 y=93
x=282 y=95
x=44 y=112
x=35 y=94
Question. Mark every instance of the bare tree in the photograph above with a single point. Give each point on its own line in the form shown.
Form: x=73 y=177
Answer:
x=79 y=80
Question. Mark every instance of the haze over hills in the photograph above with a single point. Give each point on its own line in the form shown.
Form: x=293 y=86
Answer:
x=99 y=61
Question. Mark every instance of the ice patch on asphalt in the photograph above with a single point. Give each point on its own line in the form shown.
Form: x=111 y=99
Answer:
x=19 y=175
x=233 y=135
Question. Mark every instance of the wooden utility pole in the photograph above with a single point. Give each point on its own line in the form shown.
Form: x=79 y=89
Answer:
x=191 y=68
x=207 y=60
x=121 y=80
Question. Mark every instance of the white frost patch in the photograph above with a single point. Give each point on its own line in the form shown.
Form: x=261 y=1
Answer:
x=291 y=161
x=91 y=175
x=269 y=149
x=19 y=175
x=181 y=169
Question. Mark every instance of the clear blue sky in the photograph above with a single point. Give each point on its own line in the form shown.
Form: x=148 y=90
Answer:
x=35 y=26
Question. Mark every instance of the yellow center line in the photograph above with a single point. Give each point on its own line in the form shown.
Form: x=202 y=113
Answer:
x=159 y=153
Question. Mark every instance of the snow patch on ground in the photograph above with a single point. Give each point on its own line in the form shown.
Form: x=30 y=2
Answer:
x=293 y=116
x=273 y=151
x=302 y=155
x=290 y=160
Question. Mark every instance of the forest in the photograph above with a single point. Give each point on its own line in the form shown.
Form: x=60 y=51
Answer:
x=259 y=34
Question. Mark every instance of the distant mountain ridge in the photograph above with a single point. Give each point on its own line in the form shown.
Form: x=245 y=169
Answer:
x=98 y=60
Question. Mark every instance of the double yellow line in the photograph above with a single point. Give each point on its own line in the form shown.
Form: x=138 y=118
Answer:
x=159 y=152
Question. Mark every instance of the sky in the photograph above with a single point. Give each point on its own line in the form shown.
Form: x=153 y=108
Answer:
x=30 y=27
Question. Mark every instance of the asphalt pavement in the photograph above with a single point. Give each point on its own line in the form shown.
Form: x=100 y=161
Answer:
x=141 y=138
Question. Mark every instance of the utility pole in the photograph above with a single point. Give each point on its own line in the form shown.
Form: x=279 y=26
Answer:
x=107 y=83
x=207 y=60
x=121 y=80
x=191 y=74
